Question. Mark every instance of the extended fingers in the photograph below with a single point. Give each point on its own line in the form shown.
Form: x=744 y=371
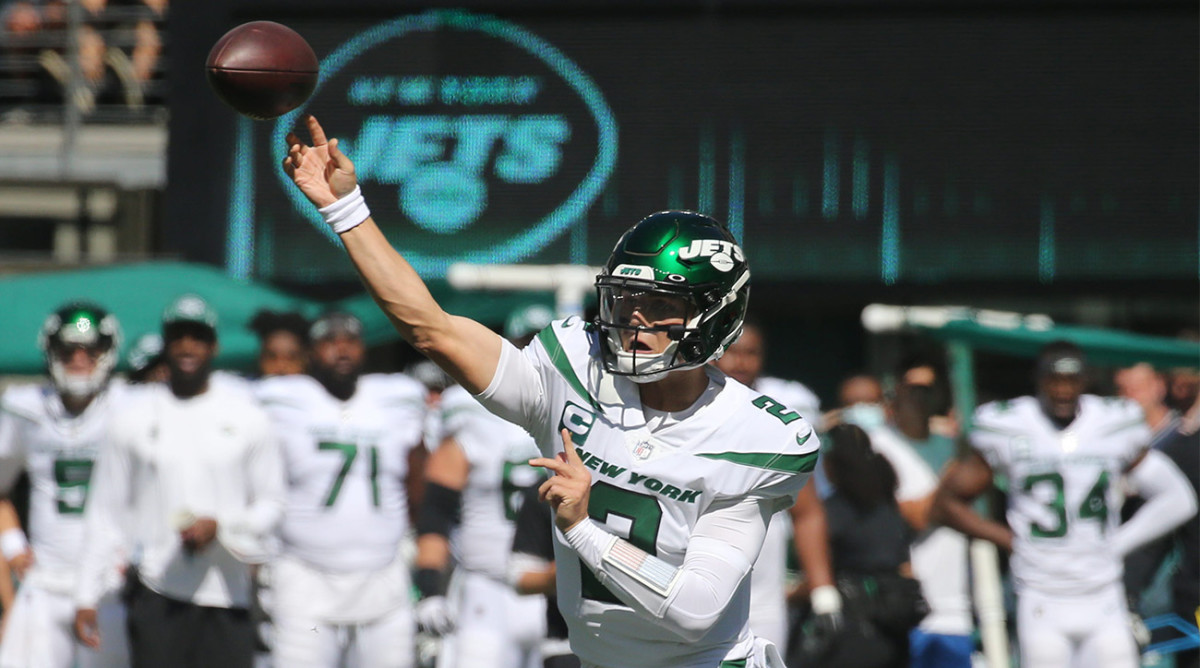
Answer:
x=316 y=131
x=558 y=466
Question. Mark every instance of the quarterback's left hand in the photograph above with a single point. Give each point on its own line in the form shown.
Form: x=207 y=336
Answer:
x=568 y=489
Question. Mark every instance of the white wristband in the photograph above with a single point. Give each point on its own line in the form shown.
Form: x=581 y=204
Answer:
x=347 y=213
x=13 y=543
x=826 y=600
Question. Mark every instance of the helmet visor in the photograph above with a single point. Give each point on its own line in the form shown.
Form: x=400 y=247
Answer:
x=632 y=306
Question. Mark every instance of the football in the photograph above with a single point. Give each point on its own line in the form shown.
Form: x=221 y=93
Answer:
x=262 y=69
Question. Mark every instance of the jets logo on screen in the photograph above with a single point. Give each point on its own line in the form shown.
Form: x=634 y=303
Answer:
x=473 y=139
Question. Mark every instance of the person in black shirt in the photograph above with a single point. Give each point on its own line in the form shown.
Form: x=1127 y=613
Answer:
x=531 y=571
x=869 y=544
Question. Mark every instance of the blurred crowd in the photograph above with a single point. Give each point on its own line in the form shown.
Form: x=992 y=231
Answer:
x=119 y=46
x=320 y=514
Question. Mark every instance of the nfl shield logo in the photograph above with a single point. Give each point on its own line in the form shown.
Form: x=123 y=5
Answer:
x=643 y=450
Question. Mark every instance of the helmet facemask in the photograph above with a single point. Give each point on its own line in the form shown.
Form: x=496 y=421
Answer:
x=65 y=332
x=691 y=312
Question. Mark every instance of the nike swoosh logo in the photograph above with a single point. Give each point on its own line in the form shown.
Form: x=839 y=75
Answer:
x=802 y=441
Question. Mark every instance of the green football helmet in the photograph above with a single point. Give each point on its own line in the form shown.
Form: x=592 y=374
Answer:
x=80 y=325
x=675 y=267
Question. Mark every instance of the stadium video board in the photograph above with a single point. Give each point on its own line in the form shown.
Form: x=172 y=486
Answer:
x=893 y=148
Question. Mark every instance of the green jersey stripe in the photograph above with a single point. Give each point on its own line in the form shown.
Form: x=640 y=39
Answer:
x=772 y=461
x=558 y=357
x=738 y=663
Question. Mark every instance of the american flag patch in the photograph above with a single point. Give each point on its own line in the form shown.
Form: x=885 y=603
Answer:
x=648 y=569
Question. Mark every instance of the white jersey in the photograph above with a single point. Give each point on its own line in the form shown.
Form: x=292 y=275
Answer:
x=653 y=476
x=768 y=580
x=1063 y=501
x=58 y=450
x=499 y=454
x=346 y=464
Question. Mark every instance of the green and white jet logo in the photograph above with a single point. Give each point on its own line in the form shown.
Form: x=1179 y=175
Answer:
x=473 y=138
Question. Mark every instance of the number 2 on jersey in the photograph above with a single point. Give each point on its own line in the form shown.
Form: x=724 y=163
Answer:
x=1094 y=505
x=349 y=453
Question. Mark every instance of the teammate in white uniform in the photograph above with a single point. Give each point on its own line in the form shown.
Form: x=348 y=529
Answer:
x=768 y=581
x=1063 y=453
x=689 y=466
x=475 y=482
x=55 y=431
x=339 y=588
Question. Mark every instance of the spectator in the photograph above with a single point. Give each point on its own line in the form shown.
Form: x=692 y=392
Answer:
x=192 y=481
x=1183 y=391
x=1148 y=388
x=869 y=544
x=55 y=432
x=284 y=348
x=861 y=401
x=339 y=587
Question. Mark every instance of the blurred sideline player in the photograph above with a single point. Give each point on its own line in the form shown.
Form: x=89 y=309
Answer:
x=1063 y=453
x=688 y=468
x=339 y=588
x=743 y=362
x=55 y=431
x=474 y=484
x=190 y=484
x=146 y=361
x=283 y=345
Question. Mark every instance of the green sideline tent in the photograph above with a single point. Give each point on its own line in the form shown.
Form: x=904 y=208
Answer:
x=138 y=293
x=965 y=330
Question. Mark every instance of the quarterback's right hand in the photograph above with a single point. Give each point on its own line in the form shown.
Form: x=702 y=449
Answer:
x=87 y=629
x=322 y=172
x=433 y=615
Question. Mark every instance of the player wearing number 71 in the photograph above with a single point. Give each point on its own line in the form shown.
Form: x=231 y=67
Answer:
x=1064 y=453
x=677 y=469
x=339 y=590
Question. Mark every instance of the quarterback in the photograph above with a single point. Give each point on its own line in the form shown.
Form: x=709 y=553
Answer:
x=55 y=431
x=1064 y=453
x=667 y=473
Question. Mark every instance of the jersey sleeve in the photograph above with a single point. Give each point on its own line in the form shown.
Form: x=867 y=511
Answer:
x=246 y=534
x=12 y=451
x=106 y=514
x=991 y=437
x=517 y=392
x=915 y=479
x=1130 y=424
x=689 y=599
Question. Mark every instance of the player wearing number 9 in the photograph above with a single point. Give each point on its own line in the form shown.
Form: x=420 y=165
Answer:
x=683 y=466
x=1064 y=453
x=55 y=431
x=339 y=585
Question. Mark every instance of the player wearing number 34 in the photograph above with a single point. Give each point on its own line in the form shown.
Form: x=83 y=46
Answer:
x=1064 y=454
x=666 y=473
